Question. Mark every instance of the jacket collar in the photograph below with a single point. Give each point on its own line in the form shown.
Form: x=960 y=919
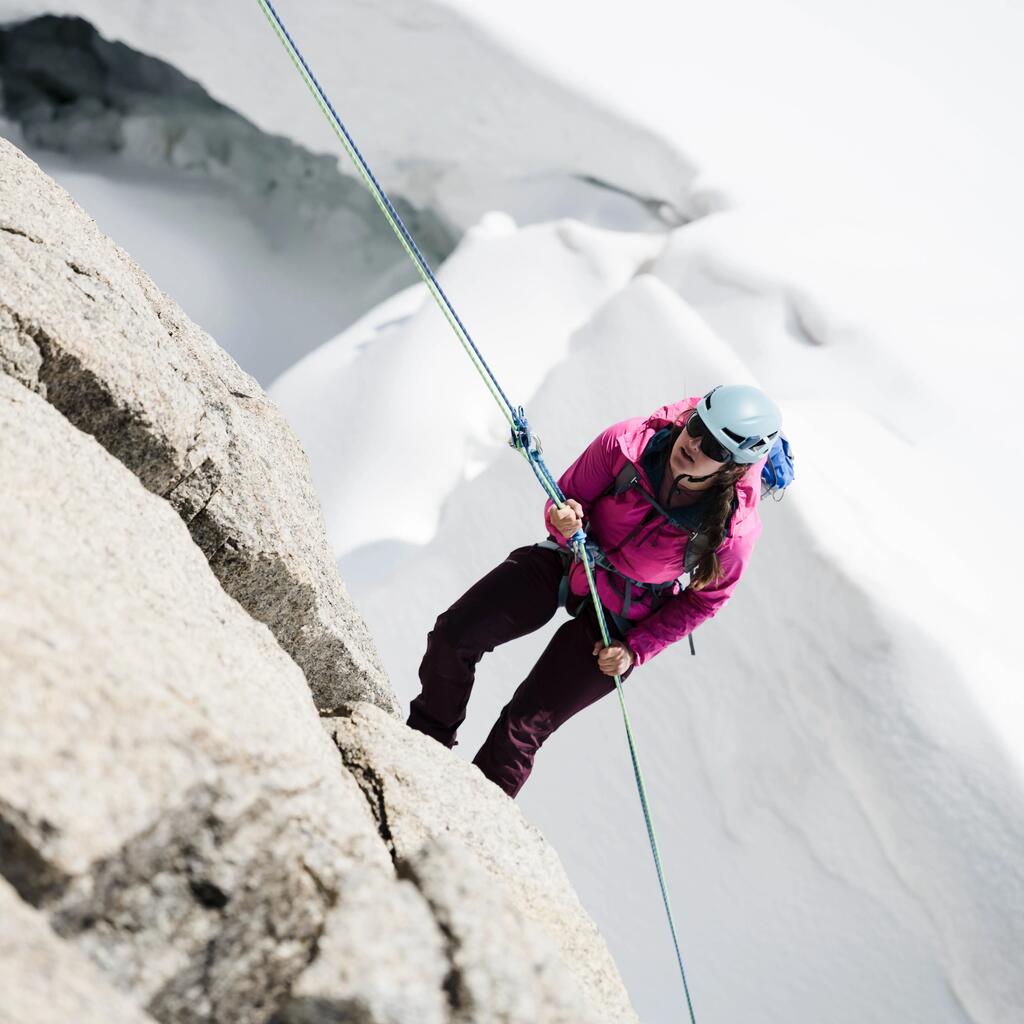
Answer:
x=633 y=442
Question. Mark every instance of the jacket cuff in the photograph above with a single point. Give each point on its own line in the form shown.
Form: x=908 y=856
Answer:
x=642 y=652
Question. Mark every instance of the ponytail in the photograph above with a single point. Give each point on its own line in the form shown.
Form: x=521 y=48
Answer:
x=720 y=502
x=721 y=496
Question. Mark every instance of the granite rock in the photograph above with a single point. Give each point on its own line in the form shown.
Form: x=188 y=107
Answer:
x=420 y=791
x=44 y=980
x=84 y=326
x=167 y=795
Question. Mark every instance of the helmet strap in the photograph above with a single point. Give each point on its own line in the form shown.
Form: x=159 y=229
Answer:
x=692 y=479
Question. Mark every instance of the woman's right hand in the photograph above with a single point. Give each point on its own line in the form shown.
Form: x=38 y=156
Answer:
x=567 y=519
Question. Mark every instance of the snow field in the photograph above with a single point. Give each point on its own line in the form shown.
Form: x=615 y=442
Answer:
x=836 y=777
x=811 y=770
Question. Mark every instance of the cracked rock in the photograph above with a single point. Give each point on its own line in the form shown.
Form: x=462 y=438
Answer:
x=168 y=798
x=381 y=960
x=505 y=969
x=20 y=357
x=83 y=325
x=420 y=791
x=44 y=980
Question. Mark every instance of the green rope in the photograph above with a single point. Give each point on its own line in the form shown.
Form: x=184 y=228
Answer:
x=641 y=787
x=384 y=205
x=529 y=452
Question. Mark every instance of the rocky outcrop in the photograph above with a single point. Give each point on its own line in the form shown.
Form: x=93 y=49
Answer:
x=382 y=959
x=308 y=224
x=419 y=792
x=504 y=966
x=170 y=800
x=514 y=127
x=45 y=981
x=166 y=793
x=84 y=327
x=176 y=823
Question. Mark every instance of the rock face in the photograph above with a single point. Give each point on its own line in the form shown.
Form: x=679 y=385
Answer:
x=420 y=792
x=44 y=980
x=176 y=823
x=166 y=793
x=382 y=959
x=84 y=327
x=71 y=91
x=499 y=965
x=505 y=967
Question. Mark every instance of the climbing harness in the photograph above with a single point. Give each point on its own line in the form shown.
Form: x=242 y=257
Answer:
x=628 y=478
x=522 y=438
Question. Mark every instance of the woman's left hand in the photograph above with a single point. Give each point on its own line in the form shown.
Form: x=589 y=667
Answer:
x=615 y=659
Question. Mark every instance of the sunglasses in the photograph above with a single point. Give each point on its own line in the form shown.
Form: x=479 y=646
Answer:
x=698 y=430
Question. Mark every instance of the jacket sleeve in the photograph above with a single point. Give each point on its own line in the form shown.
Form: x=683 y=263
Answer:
x=592 y=473
x=682 y=614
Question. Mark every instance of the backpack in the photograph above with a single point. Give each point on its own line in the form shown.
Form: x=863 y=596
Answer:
x=777 y=473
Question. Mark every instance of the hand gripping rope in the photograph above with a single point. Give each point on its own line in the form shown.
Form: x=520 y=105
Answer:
x=522 y=439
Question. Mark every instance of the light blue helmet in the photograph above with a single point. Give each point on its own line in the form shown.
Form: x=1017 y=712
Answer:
x=744 y=420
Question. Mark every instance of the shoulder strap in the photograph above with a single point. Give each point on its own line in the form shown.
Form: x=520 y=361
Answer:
x=649 y=498
x=628 y=476
x=696 y=548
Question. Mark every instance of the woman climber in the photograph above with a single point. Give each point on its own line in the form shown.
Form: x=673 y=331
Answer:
x=664 y=497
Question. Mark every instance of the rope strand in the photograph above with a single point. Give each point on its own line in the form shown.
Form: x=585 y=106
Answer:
x=382 y=200
x=522 y=441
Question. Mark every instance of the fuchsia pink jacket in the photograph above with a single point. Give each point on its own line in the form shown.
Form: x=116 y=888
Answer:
x=656 y=554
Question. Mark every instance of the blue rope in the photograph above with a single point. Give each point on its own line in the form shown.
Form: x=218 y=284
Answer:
x=663 y=884
x=525 y=441
x=521 y=439
x=424 y=266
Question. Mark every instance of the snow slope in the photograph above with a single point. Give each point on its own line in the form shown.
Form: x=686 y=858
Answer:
x=901 y=117
x=306 y=258
x=838 y=789
x=837 y=776
x=396 y=401
x=497 y=134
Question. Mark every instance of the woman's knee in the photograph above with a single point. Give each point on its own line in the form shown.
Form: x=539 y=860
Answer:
x=527 y=729
x=457 y=633
x=445 y=630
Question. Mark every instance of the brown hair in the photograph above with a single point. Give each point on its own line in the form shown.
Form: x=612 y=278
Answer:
x=721 y=495
x=720 y=499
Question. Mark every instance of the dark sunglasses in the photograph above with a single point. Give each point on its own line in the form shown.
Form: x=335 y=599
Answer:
x=698 y=429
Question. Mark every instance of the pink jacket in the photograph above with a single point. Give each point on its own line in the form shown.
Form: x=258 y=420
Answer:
x=656 y=554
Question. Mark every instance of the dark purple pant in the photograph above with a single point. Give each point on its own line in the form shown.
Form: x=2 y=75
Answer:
x=513 y=599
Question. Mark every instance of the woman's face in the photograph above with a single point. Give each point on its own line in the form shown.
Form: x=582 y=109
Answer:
x=689 y=459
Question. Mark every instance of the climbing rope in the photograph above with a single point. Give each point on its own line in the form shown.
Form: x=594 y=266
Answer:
x=522 y=439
